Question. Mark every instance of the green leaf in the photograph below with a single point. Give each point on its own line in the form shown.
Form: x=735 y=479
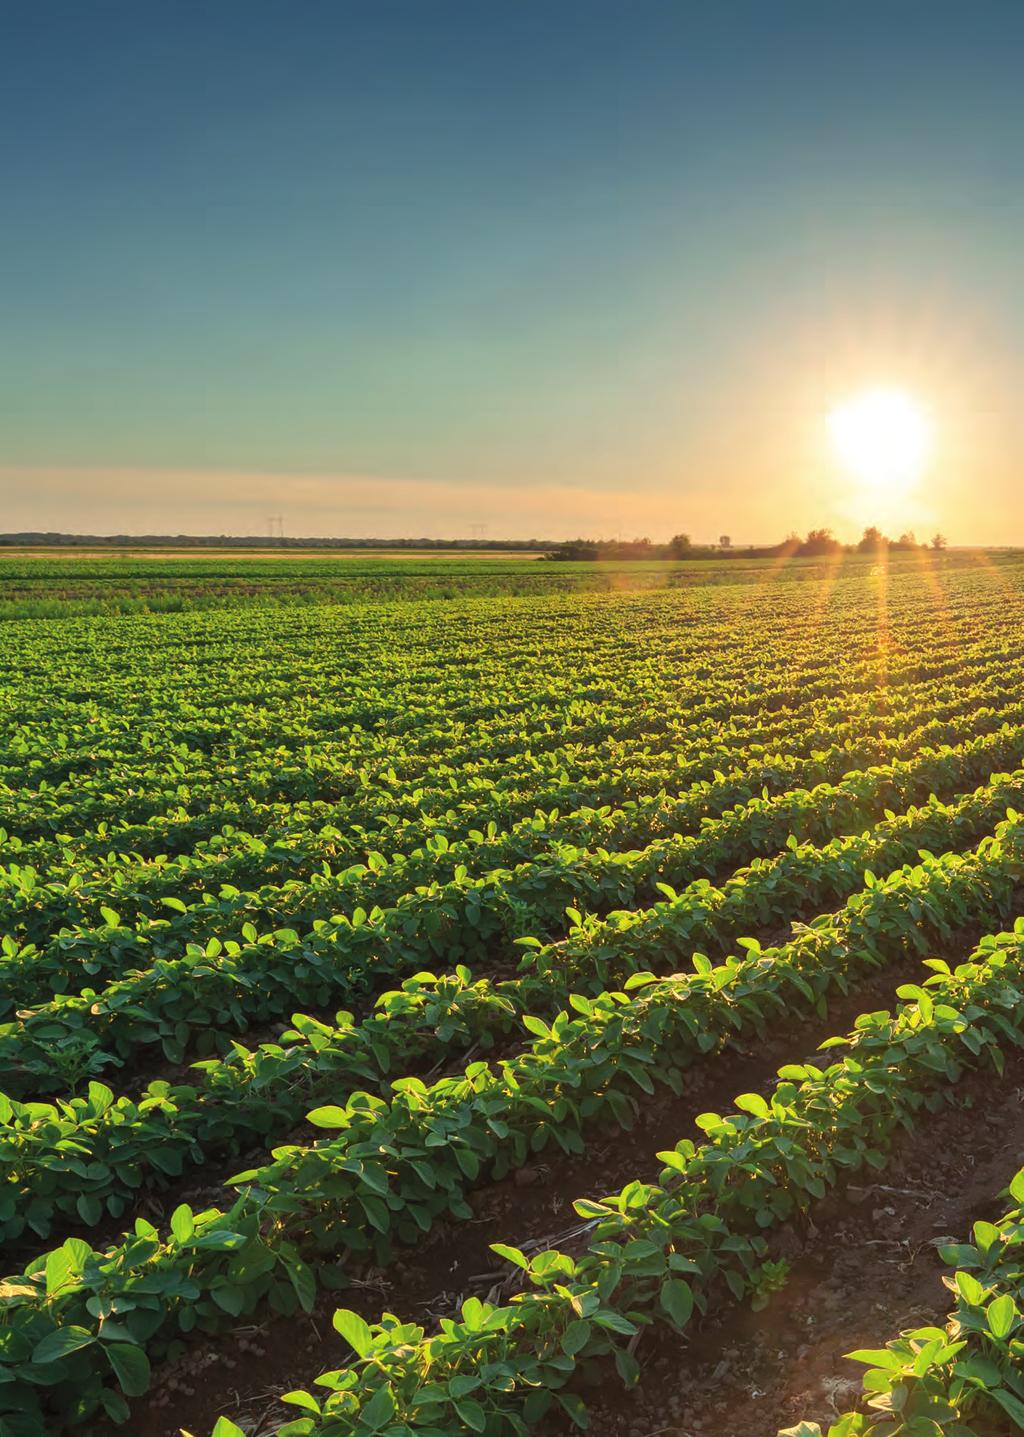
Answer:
x=90 y=1209
x=1002 y=1315
x=472 y=1414
x=328 y=1117
x=304 y=1283
x=970 y=1289
x=229 y=1297
x=60 y=1343
x=753 y=1103
x=305 y=1400
x=627 y=1366
x=876 y=1357
x=575 y=1337
x=677 y=1300
x=182 y=1222
x=1010 y=1404
x=60 y=1268
x=354 y=1330
x=511 y=1254
x=575 y=1408
x=586 y=1207
x=379 y=1410
x=131 y=1367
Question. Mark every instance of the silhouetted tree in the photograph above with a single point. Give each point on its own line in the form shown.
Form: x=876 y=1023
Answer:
x=679 y=546
x=939 y=541
x=820 y=541
x=871 y=540
x=724 y=542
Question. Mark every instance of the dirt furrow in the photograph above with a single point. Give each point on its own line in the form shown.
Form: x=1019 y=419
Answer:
x=242 y=1373
x=862 y=1270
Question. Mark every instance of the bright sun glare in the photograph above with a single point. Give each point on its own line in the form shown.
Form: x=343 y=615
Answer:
x=882 y=436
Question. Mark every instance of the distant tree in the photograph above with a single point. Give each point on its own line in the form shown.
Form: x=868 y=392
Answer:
x=871 y=540
x=907 y=540
x=574 y=549
x=939 y=541
x=820 y=541
x=679 y=546
x=724 y=542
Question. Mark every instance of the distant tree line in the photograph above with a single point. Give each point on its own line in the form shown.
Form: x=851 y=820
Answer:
x=681 y=546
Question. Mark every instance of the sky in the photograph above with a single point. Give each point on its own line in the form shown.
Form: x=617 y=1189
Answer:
x=538 y=269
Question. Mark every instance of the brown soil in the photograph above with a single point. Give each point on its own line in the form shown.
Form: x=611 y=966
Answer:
x=862 y=1271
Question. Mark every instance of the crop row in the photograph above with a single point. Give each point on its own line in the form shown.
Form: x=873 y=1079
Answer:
x=203 y=802
x=661 y=1253
x=78 y=884
x=940 y=1381
x=39 y=956
x=87 y=1156
x=181 y=1002
x=396 y=1166
x=532 y=898
x=335 y=771
x=385 y=813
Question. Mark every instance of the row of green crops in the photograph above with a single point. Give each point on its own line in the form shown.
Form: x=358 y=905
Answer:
x=560 y=826
x=86 y=1157
x=964 y=1379
x=535 y=893
x=398 y=1165
x=85 y=749
x=660 y=1253
x=171 y=1002
x=75 y=892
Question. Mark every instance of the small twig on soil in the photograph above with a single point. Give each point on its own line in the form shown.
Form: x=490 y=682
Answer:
x=264 y=1416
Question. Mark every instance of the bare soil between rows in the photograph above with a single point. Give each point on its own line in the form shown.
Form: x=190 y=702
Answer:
x=863 y=1269
x=242 y=1373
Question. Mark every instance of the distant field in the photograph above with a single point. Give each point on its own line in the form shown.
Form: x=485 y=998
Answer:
x=44 y=583
x=163 y=551
x=468 y=960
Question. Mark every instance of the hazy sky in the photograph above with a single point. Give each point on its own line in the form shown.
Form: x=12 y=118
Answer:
x=552 y=267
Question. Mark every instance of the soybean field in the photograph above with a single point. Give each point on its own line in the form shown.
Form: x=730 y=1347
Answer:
x=507 y=1001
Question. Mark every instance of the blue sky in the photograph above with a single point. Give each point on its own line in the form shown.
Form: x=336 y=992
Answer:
x=552 y=267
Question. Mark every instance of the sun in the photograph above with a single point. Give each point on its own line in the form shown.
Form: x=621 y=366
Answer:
x=882 y=437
